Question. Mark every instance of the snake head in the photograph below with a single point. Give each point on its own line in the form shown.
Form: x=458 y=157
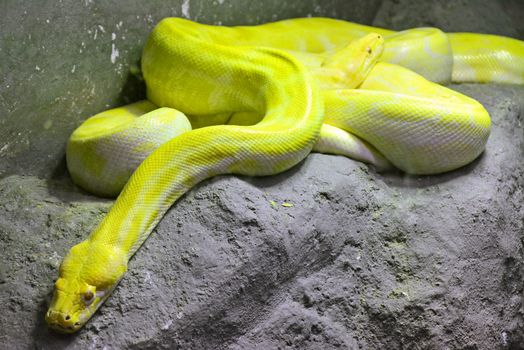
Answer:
x=87 y=276
x=354 y=61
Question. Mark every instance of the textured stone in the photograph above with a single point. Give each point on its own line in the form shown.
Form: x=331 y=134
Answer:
x=503 y=17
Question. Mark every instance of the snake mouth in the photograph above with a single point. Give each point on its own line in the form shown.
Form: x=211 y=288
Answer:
x=60 y=323
x=65 y=330
x=57 y=327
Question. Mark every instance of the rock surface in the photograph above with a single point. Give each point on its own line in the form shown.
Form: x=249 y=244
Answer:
x=502 y=17
x=356 y=260
x=360 y=260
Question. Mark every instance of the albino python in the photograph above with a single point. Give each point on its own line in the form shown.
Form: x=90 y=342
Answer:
x=283 y=89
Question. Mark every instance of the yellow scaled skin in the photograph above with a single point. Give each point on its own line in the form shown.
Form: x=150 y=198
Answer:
x=263 y=82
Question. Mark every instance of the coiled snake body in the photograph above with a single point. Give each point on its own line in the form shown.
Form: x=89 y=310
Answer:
x=283 y=89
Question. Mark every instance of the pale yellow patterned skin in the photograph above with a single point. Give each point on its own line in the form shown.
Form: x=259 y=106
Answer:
x=263 y=82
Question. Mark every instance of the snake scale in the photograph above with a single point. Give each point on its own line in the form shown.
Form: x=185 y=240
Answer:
x=259 y=99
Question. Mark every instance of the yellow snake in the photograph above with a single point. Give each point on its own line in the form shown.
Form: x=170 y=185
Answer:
x=263 y=82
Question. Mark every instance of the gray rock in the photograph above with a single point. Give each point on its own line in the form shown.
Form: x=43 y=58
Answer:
x=361 y=260
x=502 y=17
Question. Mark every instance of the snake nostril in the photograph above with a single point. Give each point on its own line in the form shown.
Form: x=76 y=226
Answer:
x=67 y=318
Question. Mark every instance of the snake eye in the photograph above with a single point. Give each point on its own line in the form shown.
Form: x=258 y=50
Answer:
x=88 y=297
